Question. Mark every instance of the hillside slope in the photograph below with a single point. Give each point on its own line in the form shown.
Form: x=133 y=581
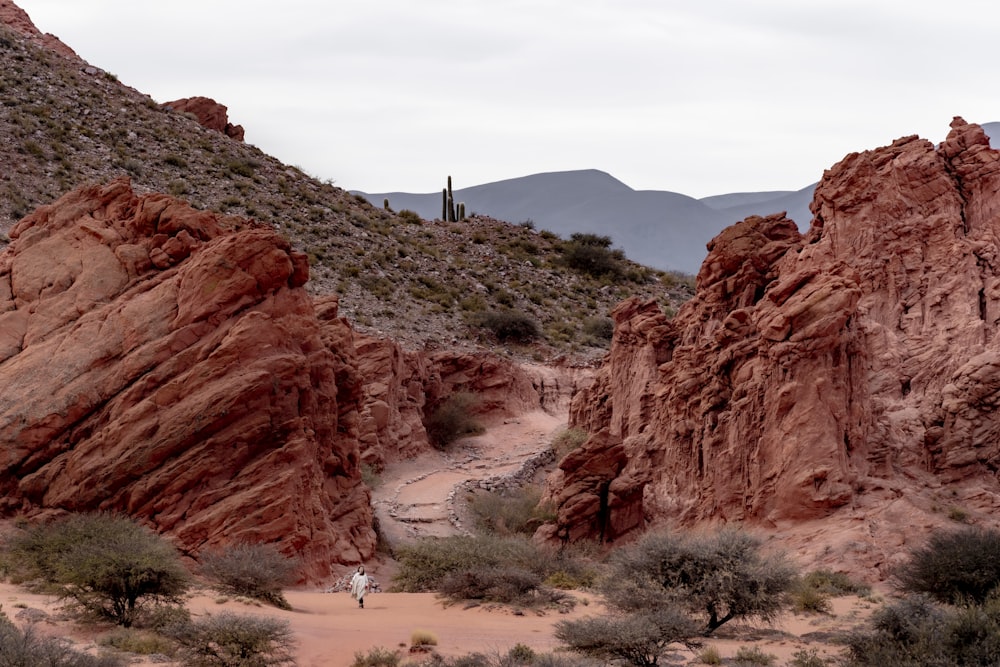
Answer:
x=65 y=123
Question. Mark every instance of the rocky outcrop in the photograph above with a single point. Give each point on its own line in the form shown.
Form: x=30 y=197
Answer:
x=209 y=113
x=812 y=378
x=18 y=20
x=167 y=363
x=401 y=388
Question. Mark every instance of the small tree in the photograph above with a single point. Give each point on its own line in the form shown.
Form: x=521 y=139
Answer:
x=235 y=640
x=640 y=639
x=720 y=577
x=954 y=566
x=256 y=571
x=25 y=648
x=453 y=419
x=107 y=564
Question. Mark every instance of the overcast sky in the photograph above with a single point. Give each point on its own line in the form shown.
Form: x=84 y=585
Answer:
x=700 y=97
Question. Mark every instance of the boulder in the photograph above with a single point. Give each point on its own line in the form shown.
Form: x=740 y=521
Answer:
x=209 y=113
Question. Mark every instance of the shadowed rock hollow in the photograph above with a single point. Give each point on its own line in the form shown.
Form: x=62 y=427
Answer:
x=840 y=386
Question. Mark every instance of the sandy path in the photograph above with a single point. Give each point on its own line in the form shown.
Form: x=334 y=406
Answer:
x=421 y=497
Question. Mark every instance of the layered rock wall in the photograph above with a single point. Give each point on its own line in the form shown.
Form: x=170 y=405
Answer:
x=167 y=363
x=814 y=376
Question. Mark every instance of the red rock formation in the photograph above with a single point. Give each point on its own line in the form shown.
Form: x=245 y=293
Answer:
x=209 y=113
x=402 y=387
x=850 y=375
x=167 y=363
x=16 y=18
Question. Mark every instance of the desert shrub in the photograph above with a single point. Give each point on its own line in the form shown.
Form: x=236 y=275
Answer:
x=370 y=476
x=592 y=254
x=241 y=167
x=720 y=577
x=709 y=656
x=24 y=648
x=521 y=654
x=917 y=631
x=599 y=328
x=257 y=571
x=230 y=640
x=453 y=419
x=425 y=563
x=954 y=566
x=807 y=658
x=411 y=217
x=508 y=585
x=568 y=440
x=423 y=638
x=161 y=616
x=108 y=565
x=130 y=640
x=507 y=512
x=812 y=592
x=376 y=657
x=808 y=600
x=834 y=584
x=904 y=634
x=639 y=639
x=508 y=325
x=751 y=656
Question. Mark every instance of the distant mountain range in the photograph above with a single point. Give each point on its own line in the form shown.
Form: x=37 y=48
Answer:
x=662 y=229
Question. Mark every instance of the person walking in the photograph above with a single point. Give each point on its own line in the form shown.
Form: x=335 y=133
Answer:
x=359 y=586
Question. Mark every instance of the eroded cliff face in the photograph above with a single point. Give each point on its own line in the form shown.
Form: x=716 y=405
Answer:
x=167 y=363
x=853 y=372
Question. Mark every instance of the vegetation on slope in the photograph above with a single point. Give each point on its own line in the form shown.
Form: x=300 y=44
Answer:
x=64 y=124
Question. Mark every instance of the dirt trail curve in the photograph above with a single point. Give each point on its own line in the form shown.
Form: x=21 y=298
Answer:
x=417 y=497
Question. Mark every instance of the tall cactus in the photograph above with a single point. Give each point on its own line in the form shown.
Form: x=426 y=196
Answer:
x=451 y=203
x=444 y=204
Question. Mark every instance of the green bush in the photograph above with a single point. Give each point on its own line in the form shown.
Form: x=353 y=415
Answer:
x=834 y=584
x=568 y=440
x=599 y=328
x=592 y=254
x=751 y=656
x=507 y=585
x=257 y=571
x=807 y=658
x=230 y=640
x=508 y=325
x=638 y=639
x=23 y=648
x=709 y=656
x=411 y=217
x=916 y=632
x=376 y=657
x=424 y=564
x=108 y=565
x=809 y=600
x=719 y=577
x=454 y=418
x=509 y=512
x=130 y=640
x=954 y=566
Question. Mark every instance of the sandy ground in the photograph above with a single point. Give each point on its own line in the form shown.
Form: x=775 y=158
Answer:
x=330 y=629
x=420 y=497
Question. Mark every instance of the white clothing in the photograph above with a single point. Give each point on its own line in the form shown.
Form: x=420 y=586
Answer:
x=359 y=585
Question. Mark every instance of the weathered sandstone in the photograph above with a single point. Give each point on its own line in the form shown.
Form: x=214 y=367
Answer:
x=167 y=363
x=848 y=378
x=209 y=113
x=16 y=18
